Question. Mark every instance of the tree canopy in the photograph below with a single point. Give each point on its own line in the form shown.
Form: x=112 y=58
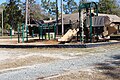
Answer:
x=49 y=6
x=13 y=14
x=69 y=6
x=109 y=7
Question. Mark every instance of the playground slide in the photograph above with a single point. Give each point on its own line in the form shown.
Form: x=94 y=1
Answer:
x=69 y=35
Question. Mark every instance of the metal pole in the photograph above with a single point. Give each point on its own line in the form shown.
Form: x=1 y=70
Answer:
x=90 y=24
x=18 y=33
x=33 y=33
x=42 y=31
x=10 y=32
x=26 y=16
x=82 y=25
x=57 y=16
x=48 y=31
x=55 y=31
x=118 y=28
x=27 y=33
x=39 y=31
x=2 y=22
x=62 y=17
x=23 y=33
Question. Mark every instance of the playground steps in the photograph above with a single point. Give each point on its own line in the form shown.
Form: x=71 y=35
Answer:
x=69 y=35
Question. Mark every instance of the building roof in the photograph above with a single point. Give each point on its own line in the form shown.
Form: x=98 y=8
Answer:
x=70 y=18
x=112 y=18
x=75 y=17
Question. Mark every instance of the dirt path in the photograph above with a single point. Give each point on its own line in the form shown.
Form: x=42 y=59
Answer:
x=107 y=70
x=60 y=64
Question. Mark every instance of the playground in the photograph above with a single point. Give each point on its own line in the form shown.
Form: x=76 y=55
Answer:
x=85 y=27
x=83 y=45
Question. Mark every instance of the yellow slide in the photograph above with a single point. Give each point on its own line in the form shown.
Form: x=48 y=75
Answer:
x=69 y=35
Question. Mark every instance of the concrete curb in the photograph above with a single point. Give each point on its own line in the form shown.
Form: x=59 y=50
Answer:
x=101 y=44
x=60 y=45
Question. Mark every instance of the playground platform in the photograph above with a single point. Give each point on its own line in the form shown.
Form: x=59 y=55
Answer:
x=12 y=43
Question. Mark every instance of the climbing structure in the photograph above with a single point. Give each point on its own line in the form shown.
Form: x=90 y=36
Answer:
x=87 y=9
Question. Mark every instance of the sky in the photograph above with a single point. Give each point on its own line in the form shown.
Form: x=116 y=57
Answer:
x=2 y=1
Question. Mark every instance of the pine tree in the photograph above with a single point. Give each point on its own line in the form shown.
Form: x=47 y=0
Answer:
x=83 y=1
x=109 y=7
x=13 y=13
x=37 y=13
x=49 y=6
x=69 y=6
